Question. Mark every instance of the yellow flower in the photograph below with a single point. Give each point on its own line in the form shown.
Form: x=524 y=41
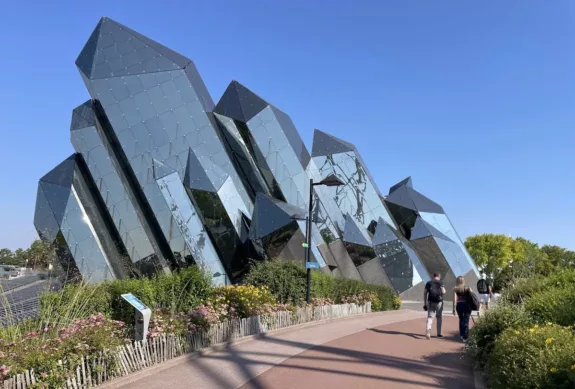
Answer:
x=531 y=330
x=553 y=369
x=549 y=323
x=517 y=332
x=548 y=340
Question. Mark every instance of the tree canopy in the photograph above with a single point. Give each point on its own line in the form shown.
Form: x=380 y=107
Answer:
x=38 y=256
x=503 y=258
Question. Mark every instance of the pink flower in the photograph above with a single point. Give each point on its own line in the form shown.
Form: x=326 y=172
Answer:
x=4 y=370
x=43 y=375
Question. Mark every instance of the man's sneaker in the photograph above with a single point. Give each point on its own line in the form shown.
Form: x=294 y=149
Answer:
x=440 y=336
x=428 y=334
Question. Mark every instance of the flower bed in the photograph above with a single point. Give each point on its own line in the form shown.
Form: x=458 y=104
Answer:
x=91 y=365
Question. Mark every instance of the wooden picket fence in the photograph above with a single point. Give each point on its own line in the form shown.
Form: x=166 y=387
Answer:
x=114 y=363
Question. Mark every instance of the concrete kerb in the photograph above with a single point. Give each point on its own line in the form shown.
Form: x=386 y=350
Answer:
x=119 y=382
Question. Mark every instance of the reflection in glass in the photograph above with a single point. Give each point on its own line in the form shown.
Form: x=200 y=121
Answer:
x=66 y=215
x=188 y=222
x=432 y=235
x=89 y=139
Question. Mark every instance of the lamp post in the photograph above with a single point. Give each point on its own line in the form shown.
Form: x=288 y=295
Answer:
x=330 y=180
x=218 y=274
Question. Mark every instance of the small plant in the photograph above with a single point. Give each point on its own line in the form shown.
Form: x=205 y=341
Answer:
x=165 y=322
x=42 y=350
x=360 y=298
x=537 y=357
x=492 y=323
x=396 y=302
x=556 y=305
x=243 y=300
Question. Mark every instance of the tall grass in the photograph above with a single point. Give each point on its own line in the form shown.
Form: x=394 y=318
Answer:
x=179 y=292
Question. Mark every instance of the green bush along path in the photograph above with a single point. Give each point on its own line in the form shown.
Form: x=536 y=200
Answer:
x=528 y=340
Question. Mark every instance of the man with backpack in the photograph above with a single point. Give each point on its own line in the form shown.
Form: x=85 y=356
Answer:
x=484 y=291
x=433 y=304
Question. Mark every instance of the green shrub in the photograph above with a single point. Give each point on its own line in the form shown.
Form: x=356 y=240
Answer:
x=344 y=287
x=376 y=304
x=286 y=280
x=525 y=288
x=521 y=290
x=533 y=358
x=245 y=300
x=180 y=291
x=491 y=324
x=322 y=285
x=397 y=302
x=556 y=305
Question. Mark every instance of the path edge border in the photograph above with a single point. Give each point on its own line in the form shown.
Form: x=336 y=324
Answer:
x=130 y=378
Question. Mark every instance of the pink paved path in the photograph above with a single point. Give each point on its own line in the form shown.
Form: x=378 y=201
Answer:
x=395 y=356
x=384 y=350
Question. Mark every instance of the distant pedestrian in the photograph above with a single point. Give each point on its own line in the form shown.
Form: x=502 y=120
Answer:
x=433 y=304
x=485 y=292
x=461 y=306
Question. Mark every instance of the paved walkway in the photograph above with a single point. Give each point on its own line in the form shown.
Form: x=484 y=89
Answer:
x=384 y=350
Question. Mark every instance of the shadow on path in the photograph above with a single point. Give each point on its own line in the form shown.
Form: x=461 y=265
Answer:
x=392 y=356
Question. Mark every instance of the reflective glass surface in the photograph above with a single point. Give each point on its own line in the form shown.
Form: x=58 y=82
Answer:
x=431 y=255
x=187 y=220
x=157 y=106
x=428 y=228
x=89 y=139
x=359 y=197
x=443 y=224
x=61 y=217
x=269 y=139
x=400 y=262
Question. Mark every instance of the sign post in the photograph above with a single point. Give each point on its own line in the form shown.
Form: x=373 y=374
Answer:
x=142 y=316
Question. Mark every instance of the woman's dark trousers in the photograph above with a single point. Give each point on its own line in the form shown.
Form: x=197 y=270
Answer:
x=464 y=314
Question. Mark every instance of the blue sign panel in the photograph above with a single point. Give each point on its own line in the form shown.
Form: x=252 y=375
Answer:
x=312 y=265
x=134 y=301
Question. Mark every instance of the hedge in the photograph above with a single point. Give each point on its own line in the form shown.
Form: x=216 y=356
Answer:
x=528 y=340
x=287 y=282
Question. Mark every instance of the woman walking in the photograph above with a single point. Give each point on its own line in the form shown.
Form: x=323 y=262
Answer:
x=461 y=306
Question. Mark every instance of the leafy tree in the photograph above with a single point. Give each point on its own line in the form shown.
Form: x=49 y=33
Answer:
x=40 y=254
x=492 y=252
x=559 y=256
x=6 y=257
x=20 y=257
x=509 y=259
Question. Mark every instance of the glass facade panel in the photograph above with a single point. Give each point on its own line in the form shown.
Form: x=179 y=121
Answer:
x=67 y=216
x=188 y=221
x=428 y=228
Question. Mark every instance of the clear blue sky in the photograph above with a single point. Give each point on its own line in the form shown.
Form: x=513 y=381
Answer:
x=474 y=99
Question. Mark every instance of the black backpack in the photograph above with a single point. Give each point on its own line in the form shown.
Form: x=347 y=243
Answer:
x=482 y=287
x=472 y=300
x=434 y=294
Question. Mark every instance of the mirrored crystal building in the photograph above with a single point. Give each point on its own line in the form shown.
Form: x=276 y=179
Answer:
x=430 y=233
x=379 y=252
x=163 y=178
